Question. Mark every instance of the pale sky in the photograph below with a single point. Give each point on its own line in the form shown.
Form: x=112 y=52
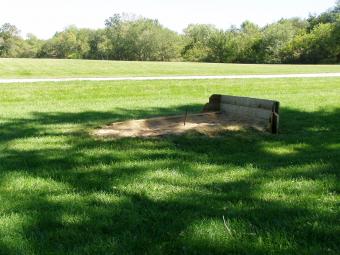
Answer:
x=44 y=17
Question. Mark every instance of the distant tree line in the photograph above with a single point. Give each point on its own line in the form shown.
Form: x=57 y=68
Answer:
x=313 y=40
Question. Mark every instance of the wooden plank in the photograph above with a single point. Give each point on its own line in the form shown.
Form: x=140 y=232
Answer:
x=246 y=112
x=249 y=102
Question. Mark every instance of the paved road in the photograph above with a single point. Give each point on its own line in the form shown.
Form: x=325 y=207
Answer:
x=252 y=76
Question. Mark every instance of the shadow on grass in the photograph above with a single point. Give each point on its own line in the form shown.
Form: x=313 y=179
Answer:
x=64 y=192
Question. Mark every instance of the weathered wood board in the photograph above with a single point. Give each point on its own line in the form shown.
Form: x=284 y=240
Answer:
x=245 y=108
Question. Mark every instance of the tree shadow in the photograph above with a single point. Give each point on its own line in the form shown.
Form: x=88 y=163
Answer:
x=168 y=195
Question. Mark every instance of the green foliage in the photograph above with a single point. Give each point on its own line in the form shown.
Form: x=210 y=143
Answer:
x=31 y=46
x=250 y=44
x=220 y=47
x=10 y=41
x=71 y=43
x=274 y=39
x=196 y=40
x=321 y=45
x=141 y=39
x=98 y=45
x=314 y=40
x=246 y=41
x=329 y=16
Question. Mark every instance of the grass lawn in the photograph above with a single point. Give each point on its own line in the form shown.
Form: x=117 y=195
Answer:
x=48 y=68
x=64 y=192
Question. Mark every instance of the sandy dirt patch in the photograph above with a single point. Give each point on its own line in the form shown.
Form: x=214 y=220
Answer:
x=205 y=123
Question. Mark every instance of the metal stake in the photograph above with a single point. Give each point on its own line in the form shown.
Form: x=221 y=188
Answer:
x=186 y=115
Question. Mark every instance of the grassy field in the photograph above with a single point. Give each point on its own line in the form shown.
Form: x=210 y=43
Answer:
x=64 y=192
x=45 y=68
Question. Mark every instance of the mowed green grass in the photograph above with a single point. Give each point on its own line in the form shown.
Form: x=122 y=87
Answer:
x=51 y=68
x=65 y=192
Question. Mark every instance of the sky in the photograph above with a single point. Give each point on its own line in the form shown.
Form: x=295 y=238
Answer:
x=44 y=17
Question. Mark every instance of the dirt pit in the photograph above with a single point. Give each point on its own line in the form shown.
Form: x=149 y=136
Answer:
x=205 y=123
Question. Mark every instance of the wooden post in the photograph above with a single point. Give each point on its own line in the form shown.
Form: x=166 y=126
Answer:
x=275 y=123
x=275 y=118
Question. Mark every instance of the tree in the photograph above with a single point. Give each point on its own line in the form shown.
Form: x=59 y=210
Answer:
x=329 y=16
x=10 y=41
x=319 y=46
x=321 y=42
x=129 y=37
x=98 y=45
x=275 y=37
x=30 y=46
x=222 y=47
x=197 y=39
x=70 y=43
x=246 y=40
x=138 y=38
